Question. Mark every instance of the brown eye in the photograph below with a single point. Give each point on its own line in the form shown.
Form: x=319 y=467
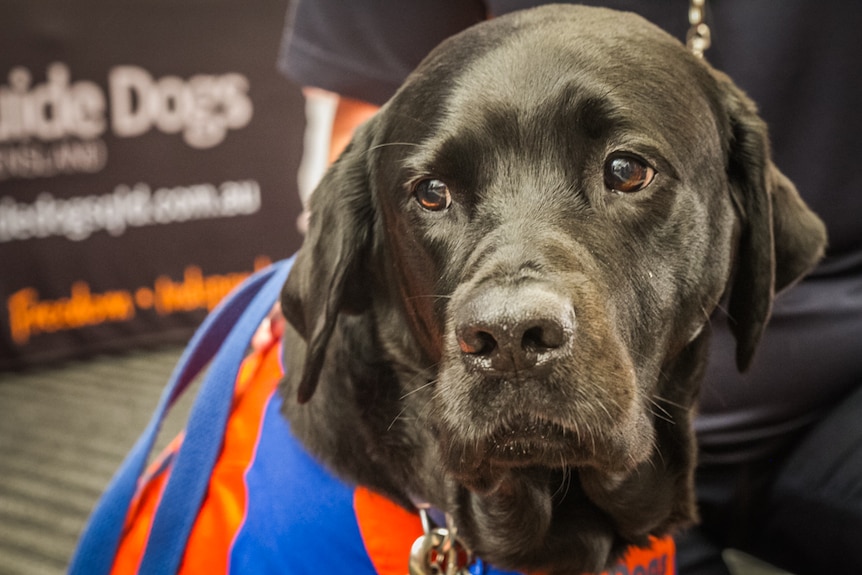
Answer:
x=627 y=173
x=433 y=195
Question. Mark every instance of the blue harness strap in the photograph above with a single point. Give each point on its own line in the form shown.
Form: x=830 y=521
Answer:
x=224 y=336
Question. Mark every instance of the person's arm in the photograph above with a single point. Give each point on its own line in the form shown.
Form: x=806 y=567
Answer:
x=349 y=115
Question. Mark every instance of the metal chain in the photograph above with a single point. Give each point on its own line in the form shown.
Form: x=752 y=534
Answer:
x=439 y=551
x=699 y=36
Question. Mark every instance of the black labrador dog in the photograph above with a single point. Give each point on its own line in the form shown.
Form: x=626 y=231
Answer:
x=502 y=306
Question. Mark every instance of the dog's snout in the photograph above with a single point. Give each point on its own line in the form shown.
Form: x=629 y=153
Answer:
x=515 y=330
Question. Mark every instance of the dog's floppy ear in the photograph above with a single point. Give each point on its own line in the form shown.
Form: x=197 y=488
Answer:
x=328 y=275
x=781 y=238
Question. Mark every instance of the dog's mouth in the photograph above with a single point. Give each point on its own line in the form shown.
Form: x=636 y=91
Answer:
x=526 y=441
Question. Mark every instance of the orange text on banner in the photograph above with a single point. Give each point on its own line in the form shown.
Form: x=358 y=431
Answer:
x=29 y=315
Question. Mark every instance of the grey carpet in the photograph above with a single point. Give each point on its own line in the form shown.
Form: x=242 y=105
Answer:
x=63 y=432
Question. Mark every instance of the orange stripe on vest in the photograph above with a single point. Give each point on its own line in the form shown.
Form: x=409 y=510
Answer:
x=224 y=507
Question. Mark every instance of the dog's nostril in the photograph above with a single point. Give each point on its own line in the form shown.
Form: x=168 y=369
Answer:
x=506 y=345
x=476 y=341
x=543 y=337
x=514 y=330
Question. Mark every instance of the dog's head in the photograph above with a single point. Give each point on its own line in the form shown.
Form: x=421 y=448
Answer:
x=538 y=227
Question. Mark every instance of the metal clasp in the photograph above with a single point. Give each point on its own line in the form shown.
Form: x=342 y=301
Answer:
x=438 y=551
x=699 y=37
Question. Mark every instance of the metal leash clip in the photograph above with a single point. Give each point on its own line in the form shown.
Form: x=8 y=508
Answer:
x=699 y=37
x=438 y=551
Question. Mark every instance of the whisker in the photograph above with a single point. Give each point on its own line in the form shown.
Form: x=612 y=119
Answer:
x=565 y=480
x=388 y=144
x=432 y=296
x=664 y=415
x=411 y=119
x=659 y=411
x=396 y=418
x=669 y=402
x=657 y=451
x=418 y=389
x=664 y=411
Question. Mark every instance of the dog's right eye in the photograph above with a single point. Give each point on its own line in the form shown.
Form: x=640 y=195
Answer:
x=433 y=195
x=627 y=173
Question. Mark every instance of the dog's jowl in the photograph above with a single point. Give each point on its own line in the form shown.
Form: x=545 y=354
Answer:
x=502 y=306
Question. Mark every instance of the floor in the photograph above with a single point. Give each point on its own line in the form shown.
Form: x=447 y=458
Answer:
x=64 y=431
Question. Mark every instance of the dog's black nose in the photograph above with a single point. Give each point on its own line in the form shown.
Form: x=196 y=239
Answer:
x=508 y=330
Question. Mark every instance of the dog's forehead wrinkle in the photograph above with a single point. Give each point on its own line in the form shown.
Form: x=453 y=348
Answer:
x=514 y=264
x=576 y=66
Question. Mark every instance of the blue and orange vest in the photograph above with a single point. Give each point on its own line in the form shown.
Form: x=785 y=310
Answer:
x=272 y=509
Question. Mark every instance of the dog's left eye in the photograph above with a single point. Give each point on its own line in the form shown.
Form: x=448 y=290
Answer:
x=627 y=173
x=433 y=195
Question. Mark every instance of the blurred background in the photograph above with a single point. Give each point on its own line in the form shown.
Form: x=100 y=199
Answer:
x=148 y=156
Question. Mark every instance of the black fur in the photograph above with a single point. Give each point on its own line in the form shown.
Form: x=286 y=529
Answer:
x=557 y=455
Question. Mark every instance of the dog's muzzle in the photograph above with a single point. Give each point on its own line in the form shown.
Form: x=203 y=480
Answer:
x=515 y=329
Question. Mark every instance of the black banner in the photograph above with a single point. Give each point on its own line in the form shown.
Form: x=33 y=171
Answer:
x=148 y=152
